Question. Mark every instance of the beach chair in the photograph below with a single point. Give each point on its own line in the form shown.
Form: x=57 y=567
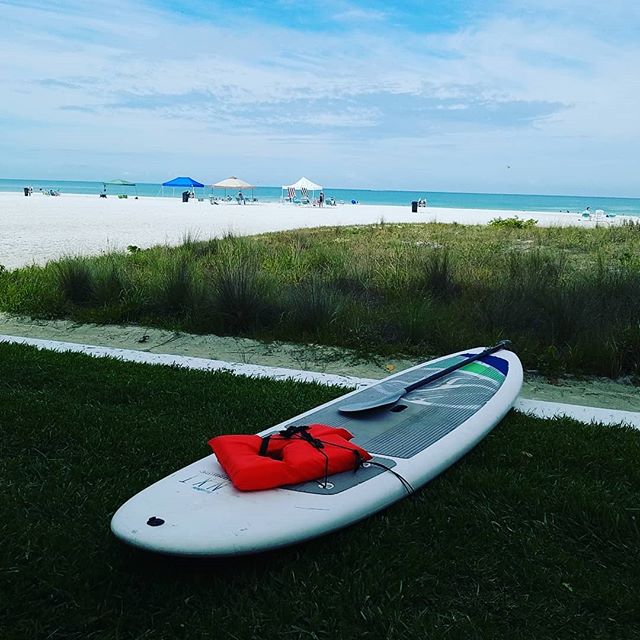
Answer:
x=304 y=195
x=291 y=194
x=599 y=216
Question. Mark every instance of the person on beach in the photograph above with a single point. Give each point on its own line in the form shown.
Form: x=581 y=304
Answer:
x=321 y=199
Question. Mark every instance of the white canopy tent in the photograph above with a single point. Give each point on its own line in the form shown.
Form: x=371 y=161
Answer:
x=234 y=183
x=304 y=185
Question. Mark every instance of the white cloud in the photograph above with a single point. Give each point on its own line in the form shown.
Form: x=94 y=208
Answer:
x=124 y=80
x=359 y=15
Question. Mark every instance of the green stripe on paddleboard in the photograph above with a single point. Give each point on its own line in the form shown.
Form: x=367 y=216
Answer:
x=479 y=368
x=484 y=370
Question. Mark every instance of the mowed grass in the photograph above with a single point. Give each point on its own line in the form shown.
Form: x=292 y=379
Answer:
x=534 y=534
x=568 y=298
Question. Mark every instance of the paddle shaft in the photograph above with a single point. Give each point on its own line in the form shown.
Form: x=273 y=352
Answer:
x=503 y=344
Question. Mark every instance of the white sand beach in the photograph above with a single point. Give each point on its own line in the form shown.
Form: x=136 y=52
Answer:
x=39 y=228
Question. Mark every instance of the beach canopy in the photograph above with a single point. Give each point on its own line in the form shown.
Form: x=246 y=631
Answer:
x=118 y=182
x=233 y=183
x=304 y=183
x=182 y=182
x=121 y=182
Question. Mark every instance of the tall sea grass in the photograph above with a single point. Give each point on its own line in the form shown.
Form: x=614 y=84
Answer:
x=75 y=280
x=177 y=286
x=108 y=283
x=312 y=305
x=438 y=277
x=238 y=293
x=569 y=299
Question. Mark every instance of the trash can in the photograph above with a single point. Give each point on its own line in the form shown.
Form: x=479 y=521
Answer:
x=27 y=191
x=185 y=196
x=414 y=206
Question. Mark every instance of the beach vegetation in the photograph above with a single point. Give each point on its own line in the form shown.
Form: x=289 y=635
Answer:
x=173 y=289
x=75 y=280
x=568 y=298
x=108 y=284
x=312 y=306
x=533 y=534
x=513 y=223
x=238 y=294
x=439 y=279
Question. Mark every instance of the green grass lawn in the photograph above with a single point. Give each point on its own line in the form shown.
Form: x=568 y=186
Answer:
x=534 y=534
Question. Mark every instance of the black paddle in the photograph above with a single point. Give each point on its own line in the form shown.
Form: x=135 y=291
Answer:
x=382 y=395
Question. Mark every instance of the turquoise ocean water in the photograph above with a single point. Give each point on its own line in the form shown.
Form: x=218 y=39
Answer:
x=501 y=201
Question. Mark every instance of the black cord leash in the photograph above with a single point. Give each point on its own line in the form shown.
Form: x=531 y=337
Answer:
x=302 y=432
x=405 y=483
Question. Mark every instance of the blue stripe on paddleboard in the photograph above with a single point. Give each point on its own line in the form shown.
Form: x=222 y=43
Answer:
x=497 y=363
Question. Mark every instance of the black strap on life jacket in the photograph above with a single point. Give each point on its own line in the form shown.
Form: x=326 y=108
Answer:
x=264 y=445
x=302 y=432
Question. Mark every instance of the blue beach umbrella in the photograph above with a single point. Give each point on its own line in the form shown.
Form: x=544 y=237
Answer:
x=182 y=181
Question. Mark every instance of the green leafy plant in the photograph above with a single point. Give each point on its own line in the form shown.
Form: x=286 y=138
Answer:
x=513 y=223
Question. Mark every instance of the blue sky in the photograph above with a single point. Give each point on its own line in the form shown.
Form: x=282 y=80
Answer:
x=522 y=96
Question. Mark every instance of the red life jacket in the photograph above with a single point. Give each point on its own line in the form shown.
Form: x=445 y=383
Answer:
x=297 y=454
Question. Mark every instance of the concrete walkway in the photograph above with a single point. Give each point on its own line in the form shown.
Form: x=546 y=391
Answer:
x=594 y=392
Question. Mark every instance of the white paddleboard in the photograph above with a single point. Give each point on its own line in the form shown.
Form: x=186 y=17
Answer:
x=197 y=512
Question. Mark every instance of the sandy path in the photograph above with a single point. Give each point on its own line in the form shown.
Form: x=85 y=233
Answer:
x=594 y=392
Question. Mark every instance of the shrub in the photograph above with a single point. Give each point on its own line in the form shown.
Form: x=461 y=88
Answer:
x=513 y=223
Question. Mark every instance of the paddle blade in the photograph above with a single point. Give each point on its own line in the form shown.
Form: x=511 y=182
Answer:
x=387 y=393
x=380 y=395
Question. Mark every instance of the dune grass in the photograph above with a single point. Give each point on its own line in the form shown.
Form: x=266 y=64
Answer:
x=569 y=298
x=534 y=534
